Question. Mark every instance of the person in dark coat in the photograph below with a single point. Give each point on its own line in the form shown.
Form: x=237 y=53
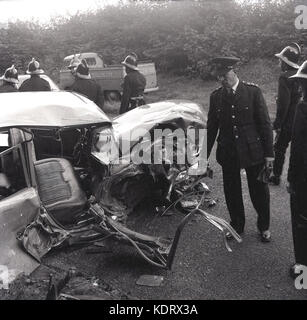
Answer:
x=297 y=176
x=35 y=82
x=10 y=80
x=84 y=84
x=133 y=87
x=287 y=99
x=239 y=116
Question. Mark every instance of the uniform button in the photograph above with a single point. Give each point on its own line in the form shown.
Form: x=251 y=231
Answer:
x=232 y=107
x=236 y=137
x=233 y=117
x=235 y=127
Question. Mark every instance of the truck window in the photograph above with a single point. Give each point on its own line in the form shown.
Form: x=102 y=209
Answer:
x=91 y=61
x=65 y=64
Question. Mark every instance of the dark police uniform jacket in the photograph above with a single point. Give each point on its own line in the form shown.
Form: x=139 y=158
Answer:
x=297 y=173
x=89 y=88
x=245 y=132
x=35 y=83
x=133 y=87
x=8 y=87
x=287 y=99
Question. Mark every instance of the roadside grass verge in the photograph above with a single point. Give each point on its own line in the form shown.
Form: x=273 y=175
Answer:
x=264 y=73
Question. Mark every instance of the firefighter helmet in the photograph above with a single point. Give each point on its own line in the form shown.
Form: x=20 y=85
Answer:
x=10 y=75
x=82 y=70
x=301 y=72
x=131 y=62
x=290 y=55
x=74 y=62
x=34 y=68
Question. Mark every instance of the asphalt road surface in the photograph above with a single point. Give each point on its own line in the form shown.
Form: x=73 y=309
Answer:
x=203 y=268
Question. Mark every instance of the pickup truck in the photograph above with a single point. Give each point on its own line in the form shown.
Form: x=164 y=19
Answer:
x=109 y=77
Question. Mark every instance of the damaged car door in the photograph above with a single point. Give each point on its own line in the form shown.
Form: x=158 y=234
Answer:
x=19 y=206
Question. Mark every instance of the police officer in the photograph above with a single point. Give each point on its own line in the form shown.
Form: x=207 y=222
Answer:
x=10 y=80
x=238 y=115
x=134 y=85
x=84 y=84
x=287 y=99
x=35 y=82
x=297 y=176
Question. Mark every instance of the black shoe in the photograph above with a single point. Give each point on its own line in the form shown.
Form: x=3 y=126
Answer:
x=265 y=236
x=275 y=180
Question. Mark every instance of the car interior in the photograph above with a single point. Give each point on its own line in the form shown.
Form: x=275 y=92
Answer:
x=57 y=182
x=66 y=175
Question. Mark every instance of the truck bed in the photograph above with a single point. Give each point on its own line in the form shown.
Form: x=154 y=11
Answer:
x=111 y=77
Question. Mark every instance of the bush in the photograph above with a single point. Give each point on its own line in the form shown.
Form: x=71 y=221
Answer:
x=180 y=36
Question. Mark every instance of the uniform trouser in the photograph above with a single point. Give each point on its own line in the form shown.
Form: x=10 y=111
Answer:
x=259 y=193
x=298 y=201
x=280 y=147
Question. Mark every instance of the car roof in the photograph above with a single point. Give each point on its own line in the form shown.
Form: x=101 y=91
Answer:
x=49 y=109
x=82 y=55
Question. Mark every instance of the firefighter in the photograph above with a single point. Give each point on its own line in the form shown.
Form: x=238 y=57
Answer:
x=287 y=99
x=239 y=116
x=74 y=62
x=35 y=83
x=134 y=85
x=84 y=84
x=10 y=80
x=297 y=176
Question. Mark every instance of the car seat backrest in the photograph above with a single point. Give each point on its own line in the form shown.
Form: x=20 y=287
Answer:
x=59 y=189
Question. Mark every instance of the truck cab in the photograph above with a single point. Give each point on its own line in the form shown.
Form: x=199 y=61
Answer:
x=110 y=77
x=92 y=59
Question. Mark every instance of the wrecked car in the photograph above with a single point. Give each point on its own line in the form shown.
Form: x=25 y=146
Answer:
x=69 y=175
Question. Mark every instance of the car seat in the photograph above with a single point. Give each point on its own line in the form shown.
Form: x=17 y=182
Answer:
x=59 y=189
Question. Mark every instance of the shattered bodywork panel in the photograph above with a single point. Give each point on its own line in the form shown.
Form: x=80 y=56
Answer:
x=171 y=114
x=113 y=191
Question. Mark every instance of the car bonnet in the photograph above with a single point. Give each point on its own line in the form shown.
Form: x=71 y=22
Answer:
x=49 y=109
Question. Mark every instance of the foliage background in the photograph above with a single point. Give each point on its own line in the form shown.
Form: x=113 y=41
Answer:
x=179 y=36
